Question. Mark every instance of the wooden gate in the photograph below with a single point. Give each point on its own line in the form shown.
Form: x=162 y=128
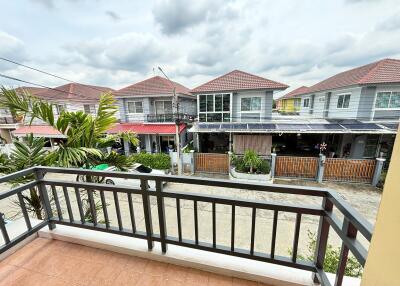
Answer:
x=354 y=170
x=211 y=163
x=300 y=167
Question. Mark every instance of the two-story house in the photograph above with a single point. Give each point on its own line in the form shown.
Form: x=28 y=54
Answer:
x=290 y=103
x=71 y=97
x=229 y=104
x=148 y=108
x=367 y=97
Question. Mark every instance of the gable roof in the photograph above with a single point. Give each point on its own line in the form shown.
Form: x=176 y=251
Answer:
x=74 y=92
x=383 y=71
x=30 y=89
x=296 y=92
x=238 y=80
x=156 y=85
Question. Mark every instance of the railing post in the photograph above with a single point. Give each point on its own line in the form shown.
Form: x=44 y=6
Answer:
x=4 y=229
x=45 y=198
x=321 y=166
x=273 y=164
x=322 y=237
x=161 y=215
x=147 y=213
x=378 y=171
x=351 y=232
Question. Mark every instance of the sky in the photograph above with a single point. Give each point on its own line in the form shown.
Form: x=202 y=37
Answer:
x=117 y=43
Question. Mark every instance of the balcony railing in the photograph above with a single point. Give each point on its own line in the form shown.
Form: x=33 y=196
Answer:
x=53 y=191
x=170 y=117
x=7 y=120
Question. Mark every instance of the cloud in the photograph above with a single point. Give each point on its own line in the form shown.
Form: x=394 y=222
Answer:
x=390 y=24
x=176 y=16
x=11 y=48
x=47 y=3
x=131 y=52
x=113 y=16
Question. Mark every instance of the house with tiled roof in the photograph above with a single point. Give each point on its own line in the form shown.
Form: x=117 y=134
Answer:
x=290 y=103
x=148 y=108
x=232 y=99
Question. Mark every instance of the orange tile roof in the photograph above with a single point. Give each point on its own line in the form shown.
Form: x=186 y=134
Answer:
x=383 y=71
x=238 y=80
x=74 y=92
x=153 y=86
x=296 y=92
x=38 y=130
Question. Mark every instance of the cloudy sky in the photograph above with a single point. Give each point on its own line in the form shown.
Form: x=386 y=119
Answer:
x=117 y=43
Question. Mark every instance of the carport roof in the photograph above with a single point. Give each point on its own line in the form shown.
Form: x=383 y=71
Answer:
x=147 y=128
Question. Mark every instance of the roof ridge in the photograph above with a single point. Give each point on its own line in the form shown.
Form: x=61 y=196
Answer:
x=369 y=73
x=210 y=81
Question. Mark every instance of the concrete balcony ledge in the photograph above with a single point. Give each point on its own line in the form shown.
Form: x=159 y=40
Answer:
x=269 y=274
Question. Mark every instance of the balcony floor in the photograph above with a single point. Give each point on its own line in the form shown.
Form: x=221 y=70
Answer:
x=57 y=263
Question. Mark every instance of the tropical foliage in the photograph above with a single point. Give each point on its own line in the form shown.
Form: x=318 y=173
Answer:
x=250 y=163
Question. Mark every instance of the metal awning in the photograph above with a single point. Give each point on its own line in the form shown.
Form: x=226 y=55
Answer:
x=340 y=127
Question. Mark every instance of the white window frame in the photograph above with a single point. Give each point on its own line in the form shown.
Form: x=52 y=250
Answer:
x=222 y=112
x=385 y=108
x=58 y=109
x=163 y=101
x=344 y=97
x=136 y=101
x=250 y=111
x=92 y=108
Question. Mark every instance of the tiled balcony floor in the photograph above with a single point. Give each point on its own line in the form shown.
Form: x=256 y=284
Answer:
x=56 y=263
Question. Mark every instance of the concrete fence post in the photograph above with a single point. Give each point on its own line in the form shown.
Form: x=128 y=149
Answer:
x=126 y=148
x=378 y=171
x=273 y=164
x=191 y=162
x=321 y=166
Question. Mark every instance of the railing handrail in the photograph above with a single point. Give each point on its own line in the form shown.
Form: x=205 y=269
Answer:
x=353 y=222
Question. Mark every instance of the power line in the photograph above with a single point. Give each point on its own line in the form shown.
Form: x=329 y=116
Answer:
x=47 y=73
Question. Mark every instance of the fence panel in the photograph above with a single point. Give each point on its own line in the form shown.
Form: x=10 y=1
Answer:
x=211 y=163
x=349 y=170
x=300 y=167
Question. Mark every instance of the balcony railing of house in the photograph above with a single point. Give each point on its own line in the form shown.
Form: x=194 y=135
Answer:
x=7 y=120
x=53 y=192
x=170 y=117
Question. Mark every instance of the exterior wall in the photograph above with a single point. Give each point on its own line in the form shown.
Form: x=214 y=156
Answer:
x=288 y=105
x=187 y=105
x=266 y=103
x=366 y=103
x=382 y=265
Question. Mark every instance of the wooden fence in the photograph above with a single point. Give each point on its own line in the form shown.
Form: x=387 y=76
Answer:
x=211 y=163
x=351 y=170
x=300 y=167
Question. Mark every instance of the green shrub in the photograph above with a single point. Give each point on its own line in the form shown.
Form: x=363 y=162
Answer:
x=263 y=167
x=332 y=257
x=155 y=161
x=251 y=160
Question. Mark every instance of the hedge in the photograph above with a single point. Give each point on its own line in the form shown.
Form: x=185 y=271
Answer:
x=155 y=161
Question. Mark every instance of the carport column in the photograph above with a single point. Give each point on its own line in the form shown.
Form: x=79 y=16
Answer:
x=273 y=164
x=321 y=166
x=126 y=147
x=378 y=171
x=191 y=162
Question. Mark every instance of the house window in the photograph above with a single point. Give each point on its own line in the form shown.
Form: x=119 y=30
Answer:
x=387 y=100
x=371 y=145
x=250 y=108
x=60 y=108
x=89 y=108
x=163 y=107
x=306 y=102
x=135 y=107
x=214 y=107
x=343 y=101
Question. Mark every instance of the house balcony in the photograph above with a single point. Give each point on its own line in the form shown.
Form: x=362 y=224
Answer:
x=101 y=234
x=170 y=117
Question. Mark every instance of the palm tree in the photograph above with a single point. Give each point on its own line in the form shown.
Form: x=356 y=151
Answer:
x=85 y=134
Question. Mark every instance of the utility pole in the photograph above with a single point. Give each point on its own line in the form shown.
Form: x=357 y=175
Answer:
x=175 y=105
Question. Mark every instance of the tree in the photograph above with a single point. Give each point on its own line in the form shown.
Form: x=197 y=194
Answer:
x=85 y=134
x=251 y=160
x=25 y=155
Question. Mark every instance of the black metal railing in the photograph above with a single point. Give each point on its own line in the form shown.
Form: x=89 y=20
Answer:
x=170 y=117
x=53 y=191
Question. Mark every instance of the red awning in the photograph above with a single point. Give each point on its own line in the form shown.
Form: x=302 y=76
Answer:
x=38 y=131
x=147 y=128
